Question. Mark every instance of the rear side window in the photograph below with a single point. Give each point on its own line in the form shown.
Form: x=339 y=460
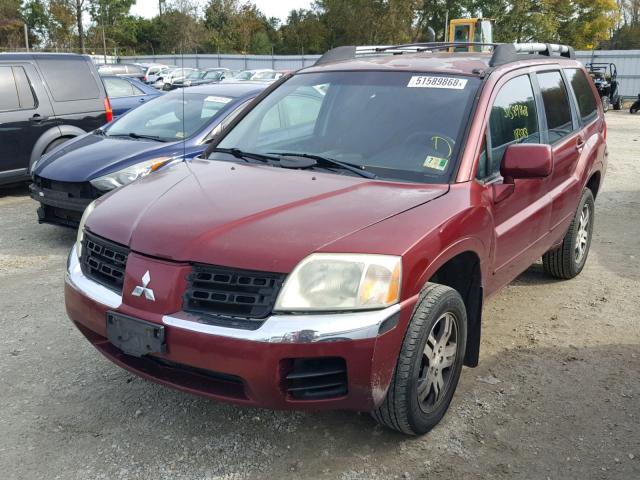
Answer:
x=116 y=87
x=556 y=105
x=584 y=94
x=513 y=119
x=69 y=80
x=8 y=92
x=15 y=90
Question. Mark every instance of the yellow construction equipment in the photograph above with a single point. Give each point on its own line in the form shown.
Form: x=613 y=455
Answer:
x=479 y=30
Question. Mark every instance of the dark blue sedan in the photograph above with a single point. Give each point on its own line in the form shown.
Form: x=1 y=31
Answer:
x=126 y=93
x=172 y=127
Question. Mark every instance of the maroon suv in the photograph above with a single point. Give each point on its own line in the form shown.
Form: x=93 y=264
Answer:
x=335 y=246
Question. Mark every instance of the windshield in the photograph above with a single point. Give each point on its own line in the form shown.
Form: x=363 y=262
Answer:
x=397 y=125
x=246 y=75
x=215 y=74
x=196 y=75
x=169 y=117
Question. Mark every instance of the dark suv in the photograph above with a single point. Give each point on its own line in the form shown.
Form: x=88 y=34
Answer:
x=45 y=99
x=334 y=246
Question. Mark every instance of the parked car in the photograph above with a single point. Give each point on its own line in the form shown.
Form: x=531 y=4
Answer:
x=165 y=80
x=268 y=75
x=253 y=74
x=122 y=70
x=127 y=93
x=152 y=70
x=172 y=127
x=153 y=76
x=334 y=246
x=45 y=99
x=201 y=77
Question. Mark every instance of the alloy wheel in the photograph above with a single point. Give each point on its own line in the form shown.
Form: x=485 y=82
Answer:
x=582 y=236
x=438 y=360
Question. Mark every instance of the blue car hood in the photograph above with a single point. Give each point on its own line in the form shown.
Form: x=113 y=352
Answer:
x=90 y=156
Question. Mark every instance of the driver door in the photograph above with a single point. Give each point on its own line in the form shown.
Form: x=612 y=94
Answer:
x=521 y=217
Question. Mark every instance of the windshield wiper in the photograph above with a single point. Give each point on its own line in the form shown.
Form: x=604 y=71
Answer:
x=357 y=169
x=242 y=155
x=146 y=137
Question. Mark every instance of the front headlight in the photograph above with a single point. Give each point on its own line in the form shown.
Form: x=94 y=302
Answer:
x=342 y=281
x=83 y=221
x=127 y=175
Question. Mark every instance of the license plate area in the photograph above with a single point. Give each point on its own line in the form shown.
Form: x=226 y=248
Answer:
x=134 y=336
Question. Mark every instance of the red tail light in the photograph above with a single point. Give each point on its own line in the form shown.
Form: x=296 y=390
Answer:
x=107 y=109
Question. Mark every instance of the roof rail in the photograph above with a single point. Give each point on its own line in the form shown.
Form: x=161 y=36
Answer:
x=502 y=52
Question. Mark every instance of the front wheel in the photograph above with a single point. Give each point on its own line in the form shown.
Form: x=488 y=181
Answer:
x=429 y=364
x=568 y=261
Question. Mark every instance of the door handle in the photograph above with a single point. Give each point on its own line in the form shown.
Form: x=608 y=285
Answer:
x=141 y=100
x=579 y=144
x=36 y=118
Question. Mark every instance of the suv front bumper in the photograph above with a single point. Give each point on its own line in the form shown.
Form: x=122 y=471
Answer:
x=250 y=367
x=61 y=206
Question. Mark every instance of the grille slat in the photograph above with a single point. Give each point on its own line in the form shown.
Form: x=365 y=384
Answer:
x=239 y=298
x=104 y=261
x=316 y=378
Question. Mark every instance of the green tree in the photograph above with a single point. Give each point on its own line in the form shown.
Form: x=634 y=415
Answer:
x=34 y=13
x=10 y=24
x=304 y=32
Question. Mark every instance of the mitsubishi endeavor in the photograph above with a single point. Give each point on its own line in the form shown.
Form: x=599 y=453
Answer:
x=333 y=248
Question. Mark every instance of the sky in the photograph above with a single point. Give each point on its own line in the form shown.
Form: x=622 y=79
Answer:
x=271 y=8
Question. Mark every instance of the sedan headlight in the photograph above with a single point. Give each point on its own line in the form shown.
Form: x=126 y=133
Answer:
x=83 y=221
x=342 y=281
x=129 y=174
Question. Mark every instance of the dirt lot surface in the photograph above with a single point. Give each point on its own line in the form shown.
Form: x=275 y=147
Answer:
x=556 y=395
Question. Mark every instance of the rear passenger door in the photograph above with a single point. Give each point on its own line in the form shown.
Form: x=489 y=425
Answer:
x=561 y=130
x=23 y=117
x=521 y=219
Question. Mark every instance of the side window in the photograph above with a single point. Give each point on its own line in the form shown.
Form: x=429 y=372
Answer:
x=69 y=79
x=556 y=105
x=513 y=119
x=25 y=94
x=584 y=94
x=116 y=87
x=8 y=91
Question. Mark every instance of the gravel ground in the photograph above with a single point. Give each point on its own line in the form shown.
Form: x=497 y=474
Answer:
x=556 y=395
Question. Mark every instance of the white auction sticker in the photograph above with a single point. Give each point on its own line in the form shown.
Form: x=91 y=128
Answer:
x=437 y=82
x=212 y=98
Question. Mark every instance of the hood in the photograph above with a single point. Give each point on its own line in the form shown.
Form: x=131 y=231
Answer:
x=89 y=156
x=245 y=215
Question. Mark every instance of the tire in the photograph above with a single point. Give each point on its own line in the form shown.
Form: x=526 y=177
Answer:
x=618 y=104
x=567 y=261
x=401 y=409
x=605 y=103
x=54 y=144
x=633 y=109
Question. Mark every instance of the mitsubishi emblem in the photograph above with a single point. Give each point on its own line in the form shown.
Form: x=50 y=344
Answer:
x=139 y=290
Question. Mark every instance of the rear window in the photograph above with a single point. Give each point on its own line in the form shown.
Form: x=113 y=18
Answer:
x=556 y=105
x=69 y=79
x=584 y=94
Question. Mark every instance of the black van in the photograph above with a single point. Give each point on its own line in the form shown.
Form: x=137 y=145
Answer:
x=45 y=99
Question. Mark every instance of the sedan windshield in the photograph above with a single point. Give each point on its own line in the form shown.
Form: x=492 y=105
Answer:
x=396 y=125
x=172 y=117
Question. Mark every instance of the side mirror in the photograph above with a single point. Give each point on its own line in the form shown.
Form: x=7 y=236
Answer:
x=526 y=160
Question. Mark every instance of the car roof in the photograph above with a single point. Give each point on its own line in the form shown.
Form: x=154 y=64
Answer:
x=460 y=63
x=230 y=89
x=35 y=56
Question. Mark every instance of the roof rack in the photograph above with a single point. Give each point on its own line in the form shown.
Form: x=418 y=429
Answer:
x=502 y=52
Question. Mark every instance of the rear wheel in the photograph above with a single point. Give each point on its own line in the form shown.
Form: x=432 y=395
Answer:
x=568 y=261
x=429 y=365
x=605 y=103
x=618 y=104
x=633 y=109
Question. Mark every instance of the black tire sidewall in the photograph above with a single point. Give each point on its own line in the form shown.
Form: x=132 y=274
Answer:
x=420 y=421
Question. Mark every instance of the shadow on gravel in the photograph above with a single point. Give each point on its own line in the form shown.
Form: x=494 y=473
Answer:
x=527 y=413
x=18 y=190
